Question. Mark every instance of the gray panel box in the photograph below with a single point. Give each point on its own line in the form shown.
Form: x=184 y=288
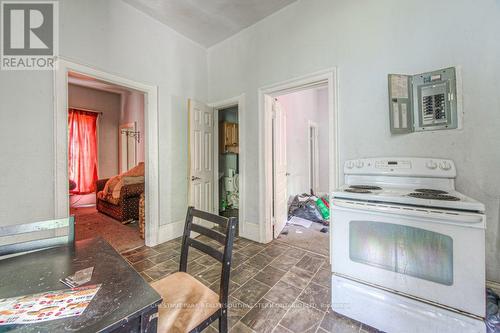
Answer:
x=423 y=102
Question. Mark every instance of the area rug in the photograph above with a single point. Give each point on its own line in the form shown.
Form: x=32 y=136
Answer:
x=90 y=223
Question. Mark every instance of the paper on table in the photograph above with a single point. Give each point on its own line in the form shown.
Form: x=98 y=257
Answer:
x=79 y=278
x=46 y=306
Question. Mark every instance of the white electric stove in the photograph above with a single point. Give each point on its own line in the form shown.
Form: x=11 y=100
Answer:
x=408 y=250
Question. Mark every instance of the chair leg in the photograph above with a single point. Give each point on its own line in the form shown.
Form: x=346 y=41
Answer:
x=223 y=322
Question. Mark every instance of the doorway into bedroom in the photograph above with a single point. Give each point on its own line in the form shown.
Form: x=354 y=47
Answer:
x=300 y=164
x=106 y=161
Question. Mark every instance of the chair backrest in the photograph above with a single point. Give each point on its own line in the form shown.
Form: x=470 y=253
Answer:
x=37 y=235
x=225 y=239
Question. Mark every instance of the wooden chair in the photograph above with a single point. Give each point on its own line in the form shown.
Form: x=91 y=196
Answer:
x=16 y=239
x=188 y=305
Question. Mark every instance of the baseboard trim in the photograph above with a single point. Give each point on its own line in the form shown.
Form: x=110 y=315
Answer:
x=175 y=229
x=170 y=231
x=250 y=231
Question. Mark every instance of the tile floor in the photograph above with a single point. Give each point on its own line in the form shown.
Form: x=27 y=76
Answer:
x=274 y=287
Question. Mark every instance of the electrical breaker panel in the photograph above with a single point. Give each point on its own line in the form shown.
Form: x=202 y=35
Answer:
x=423 y=102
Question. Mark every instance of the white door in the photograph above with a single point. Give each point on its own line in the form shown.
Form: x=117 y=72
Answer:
x=279 y=168
x=201 y=152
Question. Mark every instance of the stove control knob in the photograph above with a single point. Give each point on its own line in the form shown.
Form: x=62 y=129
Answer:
x=432 y=165
x=349 y=164
x=359 y=164
x=445 y=165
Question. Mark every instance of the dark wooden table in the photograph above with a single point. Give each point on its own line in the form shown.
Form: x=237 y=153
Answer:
x=125 y=302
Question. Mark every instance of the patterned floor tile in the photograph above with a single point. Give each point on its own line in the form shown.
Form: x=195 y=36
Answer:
x=297 y=277
x=323 y=277
x=269 y=275
x=285 y=262
x=283 y=293
x=251 y=292
x=333 y=322
x=243 y=273
x=260 y=260
x=310 y=263
x=263 y=317
x=302 y=318
x=295 y=281
x=316 y=296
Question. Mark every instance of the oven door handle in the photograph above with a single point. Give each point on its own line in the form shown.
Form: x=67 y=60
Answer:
x=463 y=219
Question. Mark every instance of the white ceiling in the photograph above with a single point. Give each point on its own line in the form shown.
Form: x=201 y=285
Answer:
x=208 y=21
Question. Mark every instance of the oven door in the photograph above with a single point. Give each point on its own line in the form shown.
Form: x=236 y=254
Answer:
x=434 y=255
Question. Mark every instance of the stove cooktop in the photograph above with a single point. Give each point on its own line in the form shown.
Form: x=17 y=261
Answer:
x=424 y=197
x=365 y=187
x=433 y=196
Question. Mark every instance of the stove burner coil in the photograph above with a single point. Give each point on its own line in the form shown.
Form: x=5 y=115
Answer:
x=431 y=196
x=365 y=187
x=357 y=190
x=430 y=191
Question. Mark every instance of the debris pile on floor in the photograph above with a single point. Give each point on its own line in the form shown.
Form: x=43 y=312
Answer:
x=492 y=311
x=309 y=207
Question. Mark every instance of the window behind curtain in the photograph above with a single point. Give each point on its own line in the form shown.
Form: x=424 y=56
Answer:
x=82 y=166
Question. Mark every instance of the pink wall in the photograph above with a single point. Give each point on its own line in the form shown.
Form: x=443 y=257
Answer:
x=133 y=111
x=110 y=105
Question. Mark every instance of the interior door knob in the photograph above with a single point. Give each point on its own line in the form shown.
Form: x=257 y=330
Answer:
x=193 y=178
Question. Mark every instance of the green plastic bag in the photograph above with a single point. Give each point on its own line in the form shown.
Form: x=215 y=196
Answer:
x=325 y=211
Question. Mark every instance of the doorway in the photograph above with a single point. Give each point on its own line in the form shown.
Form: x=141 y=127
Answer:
x=301 y=180
x=205 y=153
x=229 y=165
x=145 y=134
x=273 y=212
x=106 y=161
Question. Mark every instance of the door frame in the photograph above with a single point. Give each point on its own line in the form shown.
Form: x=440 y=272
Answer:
x=326 y=78
x=313 y=166
x=151 y=192
x=238 y=101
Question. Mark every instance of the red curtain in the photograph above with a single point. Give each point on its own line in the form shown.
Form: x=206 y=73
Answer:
x=82 y=150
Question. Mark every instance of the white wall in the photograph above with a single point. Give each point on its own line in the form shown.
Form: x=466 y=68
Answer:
x=366 y=40
x=133 y=111
x=114 y=37
x=303 y=107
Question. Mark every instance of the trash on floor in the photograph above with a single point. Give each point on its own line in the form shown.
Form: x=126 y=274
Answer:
x=492 y=311
x=311 y=208
x=324 y=207
x=300 y=222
